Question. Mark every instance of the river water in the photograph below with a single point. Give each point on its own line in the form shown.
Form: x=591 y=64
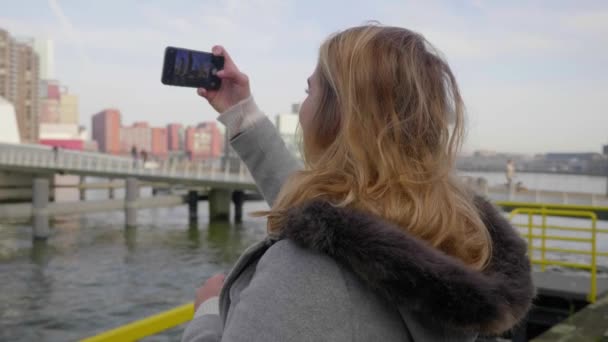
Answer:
x=93 y=274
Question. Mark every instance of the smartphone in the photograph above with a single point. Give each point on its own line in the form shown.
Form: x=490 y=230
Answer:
x=190 y=68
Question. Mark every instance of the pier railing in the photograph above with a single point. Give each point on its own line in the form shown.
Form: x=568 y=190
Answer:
x=537 y=236
x=147 y=326
x=43 y=158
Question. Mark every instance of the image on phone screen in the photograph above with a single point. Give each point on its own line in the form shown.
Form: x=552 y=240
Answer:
x=189 y=68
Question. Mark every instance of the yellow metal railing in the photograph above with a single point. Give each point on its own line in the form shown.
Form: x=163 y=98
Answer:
x=147 y=326
x=531 y=235
x=518 y=204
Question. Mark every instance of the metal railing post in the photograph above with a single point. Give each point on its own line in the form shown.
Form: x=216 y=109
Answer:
x=530 y=239
x=544 y=238
x=593 y=290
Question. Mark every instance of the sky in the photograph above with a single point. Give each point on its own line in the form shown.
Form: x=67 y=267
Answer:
x=533 y=73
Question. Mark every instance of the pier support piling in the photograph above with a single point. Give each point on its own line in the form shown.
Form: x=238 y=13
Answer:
x=193 y=207
x=40 y=201
x=81 y=188
x=238 y=198
x=219 y=204
x=111 y=193
x=131 y=195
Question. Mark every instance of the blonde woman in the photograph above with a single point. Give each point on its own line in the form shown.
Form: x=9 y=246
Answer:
x=373 y=238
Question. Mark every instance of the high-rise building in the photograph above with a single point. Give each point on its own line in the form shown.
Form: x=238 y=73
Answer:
x=287 y=125
x=19 y=82
x=204 y=141
x=175 y=137
x=68 y=108
x=50 y=96
x=295 y=108
x=46 y=55
x=138 y=135
x=159 y=141
x=106 y=130
x=57 y=105
x=8 y=70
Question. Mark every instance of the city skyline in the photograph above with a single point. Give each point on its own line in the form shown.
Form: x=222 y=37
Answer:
x=531 y=74
x=195 y=142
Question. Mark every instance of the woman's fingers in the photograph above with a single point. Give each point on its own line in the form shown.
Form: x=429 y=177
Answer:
x=230 y=70
x=233 y=75
x=207 y=94
x=219 y=50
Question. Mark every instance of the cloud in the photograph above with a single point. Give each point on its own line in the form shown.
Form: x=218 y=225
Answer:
x=591 y=22
x=484 y=45
x=502 y=29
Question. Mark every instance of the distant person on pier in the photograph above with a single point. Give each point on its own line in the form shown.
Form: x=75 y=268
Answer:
x=510 y=173
x=373 y=238
x=144 y=158
x=56 y=153
x=134 y=155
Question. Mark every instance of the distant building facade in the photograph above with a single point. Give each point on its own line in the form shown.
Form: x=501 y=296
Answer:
x=139 y=135
x=68 y=108
x=175 y=137
x=68 y=136
x=106 y=130
x=295 y=108
x=159 y=142
x=50 y=96
x=8 y=129
x=287 y=125
x=204 y=141
x=56 y=104
x=19 y=76
x=46 y=56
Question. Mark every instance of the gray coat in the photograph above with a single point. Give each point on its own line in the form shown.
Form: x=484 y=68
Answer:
x=337 y=274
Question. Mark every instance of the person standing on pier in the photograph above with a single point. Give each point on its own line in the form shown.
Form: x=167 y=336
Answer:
x=373 y=238
x=510 y=173
x=56 y=153
x=134 y=155
x=144 y=158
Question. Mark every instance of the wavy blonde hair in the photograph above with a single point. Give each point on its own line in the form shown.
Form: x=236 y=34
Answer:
x=383 y=139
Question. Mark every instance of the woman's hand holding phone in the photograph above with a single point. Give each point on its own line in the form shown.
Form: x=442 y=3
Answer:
x=234 y=88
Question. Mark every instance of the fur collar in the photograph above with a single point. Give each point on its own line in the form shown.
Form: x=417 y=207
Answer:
x=407 y=271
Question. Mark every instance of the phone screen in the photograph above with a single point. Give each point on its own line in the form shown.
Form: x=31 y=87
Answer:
x=189 y=68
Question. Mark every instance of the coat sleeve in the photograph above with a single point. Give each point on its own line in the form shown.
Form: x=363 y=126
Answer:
x=206 y=328
x=294 y=295
x=266 y=156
